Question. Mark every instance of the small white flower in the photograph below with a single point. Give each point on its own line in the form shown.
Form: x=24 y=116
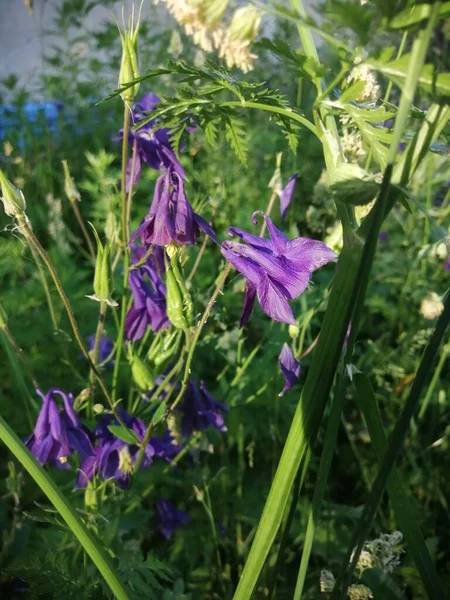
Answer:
x=431 y=306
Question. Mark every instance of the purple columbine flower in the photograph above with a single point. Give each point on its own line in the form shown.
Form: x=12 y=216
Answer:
x=287 y=193
x=169 y=518
x=58 y=432
x=290 y=367
x=153 y=146
x=149 y=295
x=104 y=350
x=171 y=217
x=276 y=270
x=115 y=459
x=201 y=410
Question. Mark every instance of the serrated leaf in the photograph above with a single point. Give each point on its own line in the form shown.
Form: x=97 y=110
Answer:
x=353 y=92
x=126 y=435
x=235 y=134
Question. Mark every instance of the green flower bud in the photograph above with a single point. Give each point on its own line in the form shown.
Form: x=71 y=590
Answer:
x=142 y=375
x=178 y=300
x=294 y=330
x=129 y=69
x=69 y=186
x=12 y=198
x=90 y=497
x=165 y=349
x=102 y=273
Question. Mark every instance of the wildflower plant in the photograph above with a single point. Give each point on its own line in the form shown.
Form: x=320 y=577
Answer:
x=146 y=413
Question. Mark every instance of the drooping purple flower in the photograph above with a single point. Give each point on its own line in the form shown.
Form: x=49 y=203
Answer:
x=105 y=349
x=149 y=295
x=276 y=270
x=290 y=367
x=58 y=432
x=287 y=193
x=201 y=410
x=168 y=518
x=171 y=218
x=115 y=459
x=153 y=146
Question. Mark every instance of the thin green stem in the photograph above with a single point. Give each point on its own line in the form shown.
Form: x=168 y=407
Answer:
x=126 y=250
x=392 y=453
x=32 y=239
x=197 y=334
x=19 y=353
x=44 y=283
x=436 y=375
x=83 y=228
x=91 y=545
x=97 y=340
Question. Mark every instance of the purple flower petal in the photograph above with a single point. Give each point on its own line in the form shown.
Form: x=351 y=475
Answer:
x=290 y=368
x=249 y=301
x=287 y=193
x=274 y=303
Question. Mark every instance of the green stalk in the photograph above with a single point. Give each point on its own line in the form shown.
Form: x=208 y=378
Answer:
x=321 y=482
x=98 y=337
x=391 y=455
x=307 y=416
x=126 y=250
x=436 y=375
x=48 y=296
x=65 y=509
x=404 y=514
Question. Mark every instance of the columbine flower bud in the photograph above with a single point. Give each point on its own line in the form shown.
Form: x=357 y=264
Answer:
x=179 y=301
x=90 y=497
x=70 y=188
x=12 y=198
x=142 y=375
x=129 y=69
x=102 y=273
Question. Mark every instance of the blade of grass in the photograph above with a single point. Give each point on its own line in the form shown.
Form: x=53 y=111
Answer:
x=404 y=513
x=65 y=509
x=391 y=454
x=334 y=421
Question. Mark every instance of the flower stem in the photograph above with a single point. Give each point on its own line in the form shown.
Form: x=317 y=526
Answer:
x=32 y=239
x=85 y=232
x=196 y=336
x=268 y=211
x=125 y=239
x=98 y=337
x=91 y=545
x=19 y=352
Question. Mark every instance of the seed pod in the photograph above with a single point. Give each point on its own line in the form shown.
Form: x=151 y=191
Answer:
x=90 y=497
x=174 y=299
x=69 y=185
x=101 y=277
x=142 y=375
x=12 y=198
x=129 y=69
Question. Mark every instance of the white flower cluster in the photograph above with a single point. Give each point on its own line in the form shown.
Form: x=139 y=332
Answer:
x=371 y=90
x=431 y=306
x=358 y=591
x=201 y=19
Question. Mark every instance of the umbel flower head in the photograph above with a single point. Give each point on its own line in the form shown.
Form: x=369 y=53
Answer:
x=290 y=367
x=153 y=146
x=276 y=270
x=149 y=295
x=201 y=410
x=58 y=432
x=169 y=518
x=171 y=218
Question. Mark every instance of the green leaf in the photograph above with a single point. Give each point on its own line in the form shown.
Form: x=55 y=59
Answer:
x=354 y=185
x=429 y=80
x=159 y=414
x=353 y=92
x=235 y=134
x=412 y=15
x=126 y=435
x=406 y=519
